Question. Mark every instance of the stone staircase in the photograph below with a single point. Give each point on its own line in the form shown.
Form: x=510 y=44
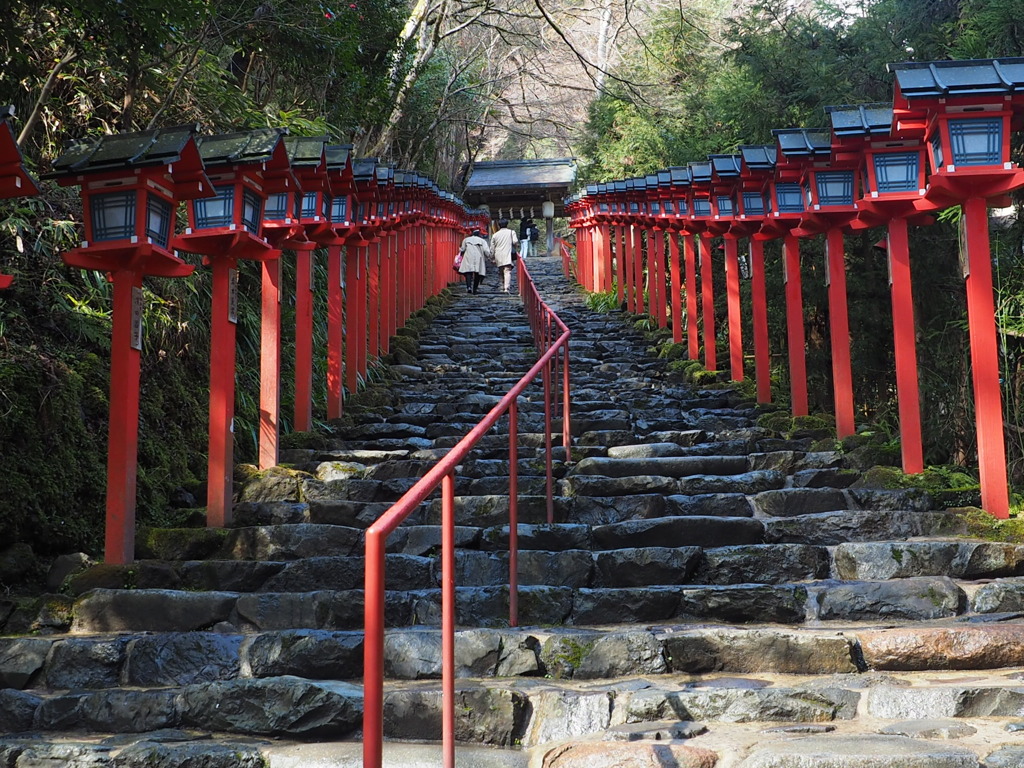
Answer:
x=709 y=594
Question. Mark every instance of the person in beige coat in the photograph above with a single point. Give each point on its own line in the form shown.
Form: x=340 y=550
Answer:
x=474 y=250
x=506 y=248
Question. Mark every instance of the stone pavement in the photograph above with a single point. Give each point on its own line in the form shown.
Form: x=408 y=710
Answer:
x=712 y=592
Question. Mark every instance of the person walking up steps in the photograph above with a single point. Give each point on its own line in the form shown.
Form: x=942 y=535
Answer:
x=525 y=232
x=474 y=250
x=506 y=251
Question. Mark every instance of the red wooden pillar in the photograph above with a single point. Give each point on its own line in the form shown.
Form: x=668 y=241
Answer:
x=373 y=299
x=220 y=447
x=123 y=430
x=795 y=325
x=732 y=289
x=620 y=264
x=630 y=272
x=839 y=330
x=988 y=404
x=595 y=255
x=270 y=363
x=582 y=256
x=397 y=292
x=677 y=288
x=606 y=272
x=303 y=340
x=390 y=296
x=658 y=299
x=353 y=320
x=335 y=316
x=400 y=288
x=759 y=307
x=707 y=295
x=692 y=337
x=638 y=269
x=904 y=347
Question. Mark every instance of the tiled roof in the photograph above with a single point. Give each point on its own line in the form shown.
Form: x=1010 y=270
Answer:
x=240 y=146
x=860 y=119
x=159 y=146
x=920 y=79
x=506 y=174
x=803 y=142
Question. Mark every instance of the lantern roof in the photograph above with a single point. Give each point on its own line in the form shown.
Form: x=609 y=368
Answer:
x=971 y=77
x=758 y=157
x=620 y=186
x=155 y=147
x=339 y=168
x=602 y=188
x=700 y=172
x=664 y=178
x=861 y=119
x=263 y=145
x=15 y=180
x=725 y=166
x=306 y=152
x=803 y=142
x=651 y=180
x=170 y=152
x=364 y=169
x=385 y=173
x=680 y=175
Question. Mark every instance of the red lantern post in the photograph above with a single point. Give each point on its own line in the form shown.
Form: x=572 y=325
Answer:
x=970 y=109
x=725 y=177
x=893 y=180
x=830 y=188
x=699 y=206
x=15 y=180
x=787 y=207
x=130 y=185
x=225 y=229
x=756 y=163
x=282 y=227
x=339 y=171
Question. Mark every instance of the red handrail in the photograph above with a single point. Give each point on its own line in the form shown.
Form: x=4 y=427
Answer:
x=543 y=322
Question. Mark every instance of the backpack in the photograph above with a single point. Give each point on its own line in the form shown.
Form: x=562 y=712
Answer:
x=534 y=234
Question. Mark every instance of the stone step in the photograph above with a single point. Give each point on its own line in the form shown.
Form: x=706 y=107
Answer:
x=180 y=658
x=532 y=711
x=917 y=598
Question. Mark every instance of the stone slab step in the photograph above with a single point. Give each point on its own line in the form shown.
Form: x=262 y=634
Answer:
x=146 y=660
x=534 y=712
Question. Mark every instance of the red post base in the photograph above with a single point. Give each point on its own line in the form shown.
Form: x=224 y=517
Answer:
x=795 y=326
x=732 y=287
x=707 y=296
x=123 y=434
x=692 y=338
x=988 y=403
x=759 y=308
x=839 y=332
x=270 y=364
x=904 y=347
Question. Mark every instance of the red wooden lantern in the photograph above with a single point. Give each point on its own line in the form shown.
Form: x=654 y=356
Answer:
x=130 y=185
x=15 y=180
x=226 y=228
x=892 y=160
x=701 y=217
x=757 y=165
x=308 y=157
x=968 y=110
x=339 y=172
x=725 y=181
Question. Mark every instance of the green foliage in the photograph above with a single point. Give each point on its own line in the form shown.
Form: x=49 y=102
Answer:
x=605 y=301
